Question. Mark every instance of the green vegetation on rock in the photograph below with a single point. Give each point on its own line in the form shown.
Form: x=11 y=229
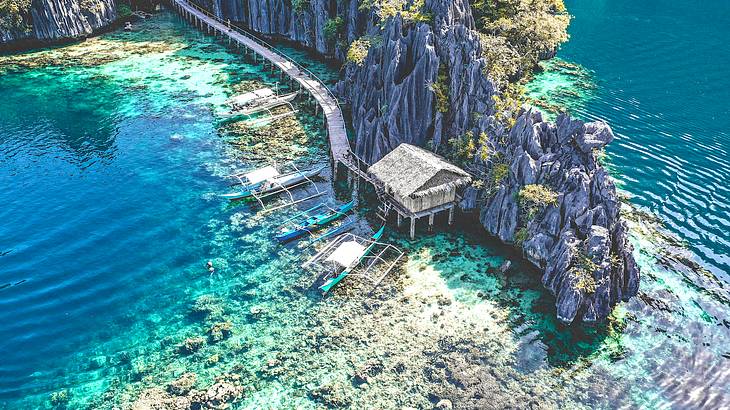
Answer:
x=358 y=50
x=300 y=6
x=462 y=148
x=583 y=268
x=12 y=13
x=123 y=10
x=90 y=5
x=386 y=9
x=333 y=28
x=521 y=236
x=516 y=34
x=535 y=197
x=441 y=90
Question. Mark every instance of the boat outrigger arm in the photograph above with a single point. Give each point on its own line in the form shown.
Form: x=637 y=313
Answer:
x=351 y=255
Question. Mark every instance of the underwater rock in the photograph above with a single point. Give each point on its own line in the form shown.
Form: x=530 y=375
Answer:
x=158 y=399
x=226 y=390
x=369 y=369
x=220 y=395
x=220 y=331
x=60 y=398
x=207 y=306
x=191 y=345
x=331 y=395
x=213 y=359
x=183 y=385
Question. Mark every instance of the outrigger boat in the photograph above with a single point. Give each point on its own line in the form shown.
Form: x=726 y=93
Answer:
x=312 y=223
x=347 y=252
x=263 y=99
x=268 y=181
x=352 y=252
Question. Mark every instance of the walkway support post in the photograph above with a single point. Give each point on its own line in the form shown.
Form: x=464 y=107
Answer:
x=413 y=227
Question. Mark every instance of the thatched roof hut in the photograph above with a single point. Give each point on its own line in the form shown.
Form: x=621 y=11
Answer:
x=418 y=179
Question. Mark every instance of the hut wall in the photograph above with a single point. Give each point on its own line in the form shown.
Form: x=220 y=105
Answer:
x=427 y=202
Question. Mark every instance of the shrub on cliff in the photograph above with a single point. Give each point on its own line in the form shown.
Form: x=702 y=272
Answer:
x=516 y=34
x=386 y=9
x=358 y=50
x=441 y=90
x=300 y=6
x=333 y=28
x=583 y=269
x=12 y=13
x=535 y=197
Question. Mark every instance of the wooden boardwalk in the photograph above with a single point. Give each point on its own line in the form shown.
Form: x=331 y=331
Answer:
x=339 y=144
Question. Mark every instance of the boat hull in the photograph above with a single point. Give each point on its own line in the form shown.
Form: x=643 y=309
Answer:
x=319 y=223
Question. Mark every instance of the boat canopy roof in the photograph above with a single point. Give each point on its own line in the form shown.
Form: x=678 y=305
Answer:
x=246 y=98
x=347 y=253
x=262 y=174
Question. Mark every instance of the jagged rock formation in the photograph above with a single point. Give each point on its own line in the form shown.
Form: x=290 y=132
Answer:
x=51 y=20
x=583 y=224
x=305 y=25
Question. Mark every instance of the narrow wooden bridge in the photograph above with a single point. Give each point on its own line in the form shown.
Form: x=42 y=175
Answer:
x=308 y=81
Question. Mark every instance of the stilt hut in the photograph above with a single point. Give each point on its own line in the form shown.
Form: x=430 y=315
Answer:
x=416 y=182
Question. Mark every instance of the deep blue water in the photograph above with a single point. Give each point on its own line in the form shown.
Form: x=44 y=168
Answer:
x=660 y=69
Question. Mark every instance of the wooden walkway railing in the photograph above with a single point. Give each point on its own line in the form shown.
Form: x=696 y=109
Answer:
x=326 y=100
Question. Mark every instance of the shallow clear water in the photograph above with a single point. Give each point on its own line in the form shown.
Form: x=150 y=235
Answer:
x=110 y=171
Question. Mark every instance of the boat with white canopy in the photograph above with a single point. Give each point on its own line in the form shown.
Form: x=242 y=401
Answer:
x=263 y=99
x=262 y=183
x=352 y=255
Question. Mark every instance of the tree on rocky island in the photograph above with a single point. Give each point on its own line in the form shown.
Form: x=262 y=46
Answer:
x=516 y=34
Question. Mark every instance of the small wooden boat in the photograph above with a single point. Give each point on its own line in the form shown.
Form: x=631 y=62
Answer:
x=353 y=253
x=250 y=98
x=268 y=181
x=315 y=222
x=255 y=102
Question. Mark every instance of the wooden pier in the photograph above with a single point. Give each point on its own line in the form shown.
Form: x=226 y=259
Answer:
x=308 y=82
x=250 y=43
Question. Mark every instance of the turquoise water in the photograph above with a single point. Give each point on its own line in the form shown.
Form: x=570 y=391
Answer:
x=110 y=168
